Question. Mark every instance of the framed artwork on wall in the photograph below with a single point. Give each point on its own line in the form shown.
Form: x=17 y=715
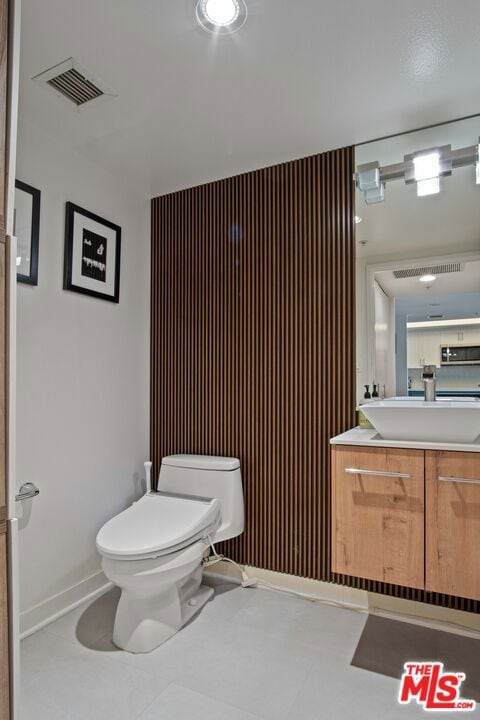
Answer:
x=92 y=254
x=26 y=226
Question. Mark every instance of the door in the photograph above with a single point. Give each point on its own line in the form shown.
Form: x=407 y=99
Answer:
x=453 y=523
x=4 y=594
x=378 y=514
x=414 y=349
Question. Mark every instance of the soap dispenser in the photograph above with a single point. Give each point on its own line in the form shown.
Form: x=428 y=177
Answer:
x=367 y=395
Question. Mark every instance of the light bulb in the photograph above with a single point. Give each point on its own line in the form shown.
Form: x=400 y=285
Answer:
x=221 y=17
x=427 y=166
x=428 y=187
x=220 y=13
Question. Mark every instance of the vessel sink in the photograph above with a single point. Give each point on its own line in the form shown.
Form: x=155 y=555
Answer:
x=451 y=421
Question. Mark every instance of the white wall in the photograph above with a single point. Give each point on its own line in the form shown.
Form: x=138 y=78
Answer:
x=83 y=378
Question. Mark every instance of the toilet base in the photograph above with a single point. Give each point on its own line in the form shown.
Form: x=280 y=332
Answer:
x=144 y=623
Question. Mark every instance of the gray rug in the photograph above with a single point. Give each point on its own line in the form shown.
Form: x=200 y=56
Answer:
x=385 y=645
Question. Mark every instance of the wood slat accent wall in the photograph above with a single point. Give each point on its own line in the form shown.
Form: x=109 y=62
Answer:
x=253 y=343
x=253 y=348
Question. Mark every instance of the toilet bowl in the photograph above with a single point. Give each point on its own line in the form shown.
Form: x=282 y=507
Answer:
x=153 y=550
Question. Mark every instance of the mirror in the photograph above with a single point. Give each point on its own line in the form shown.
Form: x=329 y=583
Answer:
x=418 y=261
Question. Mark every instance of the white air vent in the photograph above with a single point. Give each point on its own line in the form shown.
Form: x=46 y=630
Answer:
x=73 y=83
x=433 y=270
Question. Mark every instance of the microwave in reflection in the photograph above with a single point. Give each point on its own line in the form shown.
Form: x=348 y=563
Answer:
x=460 y=354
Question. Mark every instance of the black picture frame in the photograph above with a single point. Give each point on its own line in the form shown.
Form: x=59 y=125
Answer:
x=74 y=213
x=32 y=277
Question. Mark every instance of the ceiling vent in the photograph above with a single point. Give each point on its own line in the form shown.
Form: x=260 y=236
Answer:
x=433 y=270
x=73 y=83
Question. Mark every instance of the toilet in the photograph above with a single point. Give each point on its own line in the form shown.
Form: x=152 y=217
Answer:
x=153 y=550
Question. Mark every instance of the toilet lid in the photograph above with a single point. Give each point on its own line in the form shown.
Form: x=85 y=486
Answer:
x=156 y=524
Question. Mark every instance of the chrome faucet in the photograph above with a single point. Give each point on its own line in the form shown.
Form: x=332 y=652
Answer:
x=429 y=377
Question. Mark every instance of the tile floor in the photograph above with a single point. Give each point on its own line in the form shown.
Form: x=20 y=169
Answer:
x=249 y=655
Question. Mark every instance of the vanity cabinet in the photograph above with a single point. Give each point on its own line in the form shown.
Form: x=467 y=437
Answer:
x=408 y=517
x=378 y=514
x=453 y=523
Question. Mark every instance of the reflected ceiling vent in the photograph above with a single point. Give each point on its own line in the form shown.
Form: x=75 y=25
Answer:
x=73 y=83
x=432 y=270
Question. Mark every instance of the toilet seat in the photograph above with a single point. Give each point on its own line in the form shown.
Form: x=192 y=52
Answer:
x=158 y=524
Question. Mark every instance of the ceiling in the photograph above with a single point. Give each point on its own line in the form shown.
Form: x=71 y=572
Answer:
x=465 y=281
x=300 y=78
x=450 y=307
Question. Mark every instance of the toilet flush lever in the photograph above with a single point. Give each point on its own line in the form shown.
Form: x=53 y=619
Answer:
x=28 y=490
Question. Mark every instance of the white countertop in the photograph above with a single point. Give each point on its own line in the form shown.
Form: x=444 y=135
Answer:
x=369 y=437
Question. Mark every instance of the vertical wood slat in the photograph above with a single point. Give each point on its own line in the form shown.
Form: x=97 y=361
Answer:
x=253 y=349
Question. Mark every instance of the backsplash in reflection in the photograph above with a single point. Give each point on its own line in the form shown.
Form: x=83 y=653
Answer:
x=459 y=378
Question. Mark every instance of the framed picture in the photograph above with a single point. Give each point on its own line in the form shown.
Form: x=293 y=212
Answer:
x=26 y=224
x=92 y=254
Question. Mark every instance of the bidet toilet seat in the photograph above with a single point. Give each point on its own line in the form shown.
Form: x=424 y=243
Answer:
x=154 y=551
x=158 y=524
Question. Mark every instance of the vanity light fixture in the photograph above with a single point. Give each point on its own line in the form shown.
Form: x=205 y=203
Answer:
x=221 y=17
x=370 y=183
x=427 y=173
x=430 y=186
x=424 y=168
x=428 y=278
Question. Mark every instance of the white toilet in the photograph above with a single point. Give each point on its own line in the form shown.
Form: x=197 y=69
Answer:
x=153 y=550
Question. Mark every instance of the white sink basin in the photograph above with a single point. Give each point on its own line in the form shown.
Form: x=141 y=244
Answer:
x=453 y=421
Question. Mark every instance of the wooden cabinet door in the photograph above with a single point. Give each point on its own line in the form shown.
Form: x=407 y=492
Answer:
x=453 y=523
x=378 y=514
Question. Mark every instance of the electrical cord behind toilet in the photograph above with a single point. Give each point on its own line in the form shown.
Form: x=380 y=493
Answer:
x=246 y=581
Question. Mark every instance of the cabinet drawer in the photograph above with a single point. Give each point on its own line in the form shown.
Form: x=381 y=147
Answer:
x=453 y=523
x=378 y=514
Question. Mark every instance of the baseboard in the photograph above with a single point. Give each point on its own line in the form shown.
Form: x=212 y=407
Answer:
x=40 y=615
x=438 y=618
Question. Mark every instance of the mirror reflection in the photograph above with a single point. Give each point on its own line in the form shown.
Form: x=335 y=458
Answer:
x=418 y=263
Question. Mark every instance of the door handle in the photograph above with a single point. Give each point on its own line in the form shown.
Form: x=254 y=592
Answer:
x=467 y=481
x=28 y=490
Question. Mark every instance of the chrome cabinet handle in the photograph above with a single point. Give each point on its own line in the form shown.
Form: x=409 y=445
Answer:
x=467 y=481
x=28 y=490
x=379 y=473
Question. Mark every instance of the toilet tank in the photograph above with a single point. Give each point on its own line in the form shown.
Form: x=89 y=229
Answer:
x=208 y=476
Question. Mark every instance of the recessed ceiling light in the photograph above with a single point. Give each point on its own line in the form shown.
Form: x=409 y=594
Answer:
x=358 y=219
x=428 y=278
x=222 y=17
